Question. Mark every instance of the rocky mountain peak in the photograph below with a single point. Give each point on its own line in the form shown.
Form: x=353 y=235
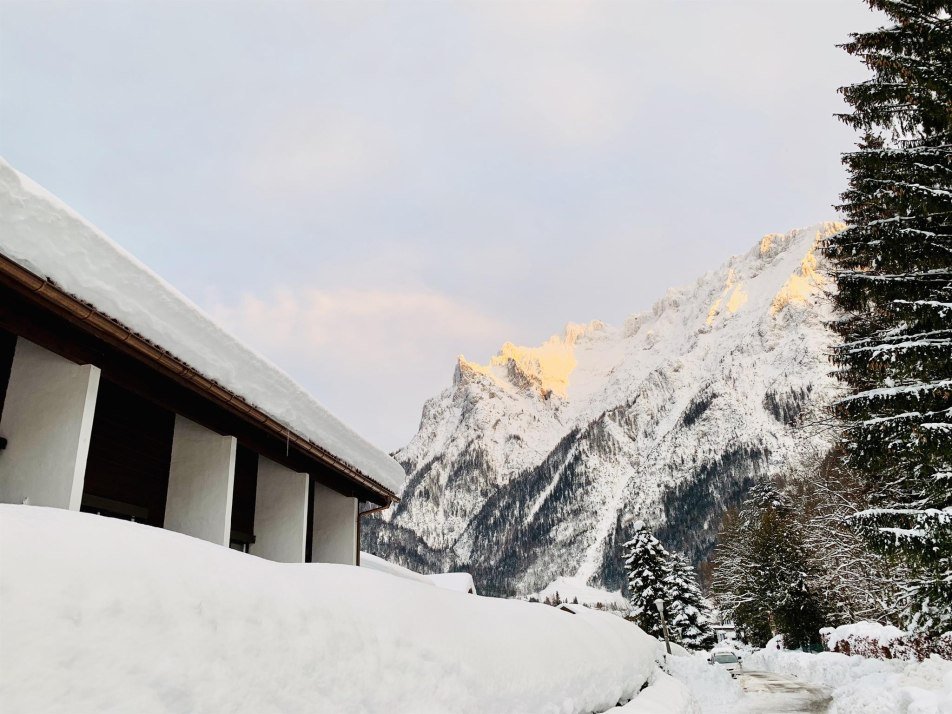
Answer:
x=538 y=463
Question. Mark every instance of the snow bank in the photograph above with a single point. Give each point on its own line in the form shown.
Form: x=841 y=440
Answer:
x=665 y=695
x=868 y=686
x=100 y=615
x=51 y=240
x=711 y=685
x=676 y=649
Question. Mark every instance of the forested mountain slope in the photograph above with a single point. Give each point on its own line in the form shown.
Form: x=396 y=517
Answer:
x=535 y=465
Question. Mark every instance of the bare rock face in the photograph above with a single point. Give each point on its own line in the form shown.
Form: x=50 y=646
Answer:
x=537 y=464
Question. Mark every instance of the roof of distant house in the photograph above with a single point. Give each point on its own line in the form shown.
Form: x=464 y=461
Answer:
x=460 y=582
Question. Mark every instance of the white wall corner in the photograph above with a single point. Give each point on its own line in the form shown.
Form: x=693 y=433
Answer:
x=335 y=527
x=47 y=420
x=280 y=513
x=201 y=482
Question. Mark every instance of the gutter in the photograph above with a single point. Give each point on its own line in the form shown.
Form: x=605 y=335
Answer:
x=119 y=335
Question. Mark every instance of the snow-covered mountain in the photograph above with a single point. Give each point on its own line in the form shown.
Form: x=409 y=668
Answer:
x=535 y=465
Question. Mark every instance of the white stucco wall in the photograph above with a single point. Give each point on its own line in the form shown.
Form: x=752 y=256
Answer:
x=335 y=527
x=201 y=479
x=280 y=513
x=47 y=420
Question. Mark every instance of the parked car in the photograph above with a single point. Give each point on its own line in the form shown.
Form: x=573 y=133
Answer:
x=728 y=659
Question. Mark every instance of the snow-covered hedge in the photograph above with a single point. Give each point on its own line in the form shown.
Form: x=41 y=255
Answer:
x=100 y=615
x=876 y=641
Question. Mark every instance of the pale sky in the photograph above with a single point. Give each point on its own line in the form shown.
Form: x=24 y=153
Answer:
x=364 y=191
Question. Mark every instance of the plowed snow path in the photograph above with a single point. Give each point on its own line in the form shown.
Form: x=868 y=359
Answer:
x=769 y=692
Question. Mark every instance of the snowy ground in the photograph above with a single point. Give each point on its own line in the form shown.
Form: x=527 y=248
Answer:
x=784 y=681
x=716 y=692
x=664 y=696
x=768 y=692
x=100 y=615
x=867 y=686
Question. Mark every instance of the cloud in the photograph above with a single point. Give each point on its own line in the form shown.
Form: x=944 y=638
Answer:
x=360 y=326
x=568 y=103
x=305 y=151
x=545 y=80
x=368 y=355
x=538 y=162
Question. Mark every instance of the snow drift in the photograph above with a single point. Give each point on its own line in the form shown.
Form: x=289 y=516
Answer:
x=868 y=686
x=458 y=582
x=101 y=615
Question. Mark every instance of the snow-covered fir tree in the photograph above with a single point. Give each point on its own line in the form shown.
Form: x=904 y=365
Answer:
x=653 y=574
x=732 y=581
x=762 y=572
x=648 y=566
x=689 y=613
x=894 y=287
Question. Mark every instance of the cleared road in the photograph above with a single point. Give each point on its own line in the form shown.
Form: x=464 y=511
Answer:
x=768 y=692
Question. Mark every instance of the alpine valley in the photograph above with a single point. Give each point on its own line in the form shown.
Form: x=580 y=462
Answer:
x=534 y=467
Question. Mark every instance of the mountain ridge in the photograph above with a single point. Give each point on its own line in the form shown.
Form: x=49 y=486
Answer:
x=533 y=465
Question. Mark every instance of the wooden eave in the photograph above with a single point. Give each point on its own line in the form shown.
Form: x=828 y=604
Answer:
x=115 y=336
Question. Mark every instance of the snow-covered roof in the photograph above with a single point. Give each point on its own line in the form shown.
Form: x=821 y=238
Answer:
x=373 y=562
x=46 y=237
x=460 y=582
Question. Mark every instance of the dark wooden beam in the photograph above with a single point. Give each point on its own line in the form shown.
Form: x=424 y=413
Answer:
x=71 y=338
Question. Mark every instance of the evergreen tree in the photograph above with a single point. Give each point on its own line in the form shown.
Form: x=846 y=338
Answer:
x=733 y=583
x=781 y=567
x=893 y=271
x=647 y=565
x=742 y=580
x=762 y=572
x=689 y=613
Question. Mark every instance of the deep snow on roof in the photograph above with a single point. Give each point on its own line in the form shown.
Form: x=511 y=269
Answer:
x=374 y=562
x=458 y=582
x=43 y=235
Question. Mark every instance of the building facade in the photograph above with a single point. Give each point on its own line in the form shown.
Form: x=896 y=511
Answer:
x=113 y=401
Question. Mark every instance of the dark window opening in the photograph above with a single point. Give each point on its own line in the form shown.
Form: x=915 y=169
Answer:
x=8 y=344
x=243 y=499
x=130 y=452
x=309 y=533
